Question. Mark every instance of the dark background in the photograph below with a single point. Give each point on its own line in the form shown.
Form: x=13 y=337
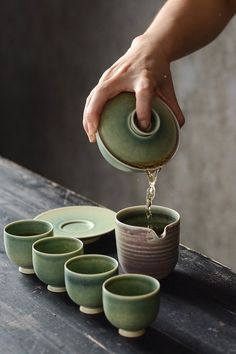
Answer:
x=52 y=55
x=53 y=52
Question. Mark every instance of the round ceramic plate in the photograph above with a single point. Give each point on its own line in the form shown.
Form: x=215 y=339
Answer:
x=87 y=223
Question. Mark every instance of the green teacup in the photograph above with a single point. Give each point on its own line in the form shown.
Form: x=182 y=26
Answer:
x=131 y=302
x=19 y=237
x=84 y=276
x=49 y=257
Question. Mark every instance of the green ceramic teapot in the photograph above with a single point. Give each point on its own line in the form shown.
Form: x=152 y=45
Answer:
x=125 y=146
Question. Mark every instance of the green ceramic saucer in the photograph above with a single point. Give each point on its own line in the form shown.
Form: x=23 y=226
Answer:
x=87 y=223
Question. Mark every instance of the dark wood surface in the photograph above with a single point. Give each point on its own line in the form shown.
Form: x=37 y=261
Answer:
x=198 y=300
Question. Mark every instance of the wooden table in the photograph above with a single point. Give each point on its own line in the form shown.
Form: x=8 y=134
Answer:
x=198 y=301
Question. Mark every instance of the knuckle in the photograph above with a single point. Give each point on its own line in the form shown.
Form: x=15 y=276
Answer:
x=90 y=115
x=137 y=40
x=90 y=95
x=106 y=74
x=144 y=88
x=145 y=85
x=103 y=87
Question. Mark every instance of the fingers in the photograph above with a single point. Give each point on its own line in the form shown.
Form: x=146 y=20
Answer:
x=85 y=122
x=143 y=107
x=94 y=105
x=144 y=92
x=131 y=73
x=167 y=93
x=177 y=111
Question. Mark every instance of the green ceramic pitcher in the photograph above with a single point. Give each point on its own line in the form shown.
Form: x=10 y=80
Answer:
x=125 y=146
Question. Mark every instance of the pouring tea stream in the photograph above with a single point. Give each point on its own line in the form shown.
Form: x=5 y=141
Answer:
x=125 y=146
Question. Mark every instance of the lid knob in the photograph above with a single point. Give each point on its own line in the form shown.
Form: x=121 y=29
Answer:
x=133 y=124
x=125 y=146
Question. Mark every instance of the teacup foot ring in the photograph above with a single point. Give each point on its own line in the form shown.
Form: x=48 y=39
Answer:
x=91 y=311
x=56 y=289
x=131 y=334
x=26 y=270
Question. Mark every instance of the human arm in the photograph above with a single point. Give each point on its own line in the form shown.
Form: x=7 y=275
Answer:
x=180 y=27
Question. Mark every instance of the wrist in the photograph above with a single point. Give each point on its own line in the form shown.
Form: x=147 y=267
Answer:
x=151 y=47
x=156 y=47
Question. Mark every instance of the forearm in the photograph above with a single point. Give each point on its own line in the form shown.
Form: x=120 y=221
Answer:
x=183 y=26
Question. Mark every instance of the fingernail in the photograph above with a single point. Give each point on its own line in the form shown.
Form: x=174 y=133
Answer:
x=91 y=132
x=144 y=124
x=92 y=138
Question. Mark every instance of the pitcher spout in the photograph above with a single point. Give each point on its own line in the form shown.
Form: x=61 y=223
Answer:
x=154 y=235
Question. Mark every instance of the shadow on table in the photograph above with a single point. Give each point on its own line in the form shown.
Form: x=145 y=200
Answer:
x=152 y=341
x=104 y=245
x=210 y=293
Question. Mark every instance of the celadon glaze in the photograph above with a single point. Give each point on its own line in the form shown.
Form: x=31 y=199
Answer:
x=49 y=257
x=128 y=148
x=141 y=249
x=84 y=277
x=131 y=302
x=85 y=222
x=19 y=237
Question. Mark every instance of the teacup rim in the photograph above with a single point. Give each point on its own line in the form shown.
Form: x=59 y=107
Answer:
x=57 y=238
x=24 y=236
x=132 y=297
x=93 y=274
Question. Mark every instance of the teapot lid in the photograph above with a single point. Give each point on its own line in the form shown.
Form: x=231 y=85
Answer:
x=129 y=148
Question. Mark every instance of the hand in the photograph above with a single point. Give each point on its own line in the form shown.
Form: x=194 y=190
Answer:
x=143 y=69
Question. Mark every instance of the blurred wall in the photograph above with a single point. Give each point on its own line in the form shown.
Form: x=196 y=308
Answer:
x=52 y=54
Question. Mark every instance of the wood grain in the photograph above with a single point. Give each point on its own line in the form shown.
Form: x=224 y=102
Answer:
x=198 y=300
